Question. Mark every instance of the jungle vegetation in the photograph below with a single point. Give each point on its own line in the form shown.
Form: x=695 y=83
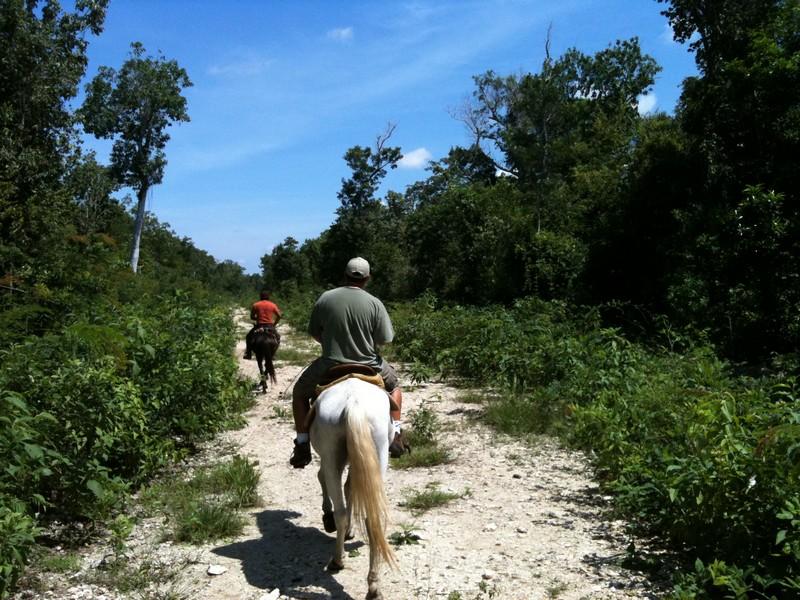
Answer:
x=629 y=282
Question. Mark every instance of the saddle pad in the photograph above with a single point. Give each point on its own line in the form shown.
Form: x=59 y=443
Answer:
x=373 y=379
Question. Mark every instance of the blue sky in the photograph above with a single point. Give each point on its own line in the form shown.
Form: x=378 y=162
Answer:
x=282 y=89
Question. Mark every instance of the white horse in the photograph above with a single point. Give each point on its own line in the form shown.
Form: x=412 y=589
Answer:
x=352 y=426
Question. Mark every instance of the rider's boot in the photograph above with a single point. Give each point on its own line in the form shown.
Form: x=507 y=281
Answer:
x=399 y=446
x=301 y=455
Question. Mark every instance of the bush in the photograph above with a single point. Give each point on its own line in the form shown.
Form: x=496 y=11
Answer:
x=16 y=540
x=705 y=459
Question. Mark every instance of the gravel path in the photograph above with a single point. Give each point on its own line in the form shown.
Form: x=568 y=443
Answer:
x=532 y=524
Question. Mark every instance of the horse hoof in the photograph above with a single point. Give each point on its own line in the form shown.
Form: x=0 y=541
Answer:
x=329 y=522
x=374 y=595
x=334 y=566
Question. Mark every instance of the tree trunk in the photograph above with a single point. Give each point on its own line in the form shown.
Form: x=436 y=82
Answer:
x=137 y=229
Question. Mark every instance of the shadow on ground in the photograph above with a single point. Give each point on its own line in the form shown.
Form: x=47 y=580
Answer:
x=288 y=557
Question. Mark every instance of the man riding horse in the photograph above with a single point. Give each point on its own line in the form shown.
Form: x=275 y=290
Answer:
x=266 y=314
x=350 y=323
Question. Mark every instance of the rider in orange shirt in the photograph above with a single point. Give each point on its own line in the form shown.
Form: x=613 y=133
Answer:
x=266 y=314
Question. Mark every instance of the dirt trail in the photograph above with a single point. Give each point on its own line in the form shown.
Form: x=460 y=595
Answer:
x=532 y=526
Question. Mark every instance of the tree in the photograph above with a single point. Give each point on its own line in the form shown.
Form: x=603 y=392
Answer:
x=364 y=225
x=43 y=52
x=134 y=106
x=740 y=117
x=368 y=166
x=285 y=266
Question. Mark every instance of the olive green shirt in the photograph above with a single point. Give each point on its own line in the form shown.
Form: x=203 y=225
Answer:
x=351 y=323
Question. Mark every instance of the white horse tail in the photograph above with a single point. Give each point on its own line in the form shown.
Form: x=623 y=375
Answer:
x=368 y=499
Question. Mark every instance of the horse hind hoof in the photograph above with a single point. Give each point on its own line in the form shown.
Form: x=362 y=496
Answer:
x=334 y=566
x=329 y=522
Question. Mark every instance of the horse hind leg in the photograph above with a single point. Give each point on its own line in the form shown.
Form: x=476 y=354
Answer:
x=373 y=576
x=262 y=374
x=333 y=484
x=348 y=501
x=328 y=520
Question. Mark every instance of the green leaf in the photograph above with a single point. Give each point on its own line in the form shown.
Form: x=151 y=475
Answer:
x=780 y=537
x=17 y=401
x=95 y=488
x=34 y=451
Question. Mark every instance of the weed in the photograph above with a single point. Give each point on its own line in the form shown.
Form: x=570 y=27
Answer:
x=148 y=579
x=424 y=425
x=422 y=438
x=555 y=590
x=407 y=536
x=58 y=562
x=296 y=355
x=490 y=592
x=420 y=501
x=121 y=528
x=207 y=520
x=471 y=397
x=422 y=456
x=238 y=479
x=280 y=412
x=204 y=507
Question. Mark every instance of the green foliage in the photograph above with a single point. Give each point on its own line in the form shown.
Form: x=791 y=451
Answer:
x=44 y=58
x=239 y=479
x=205 y=506
x=704 y=459
x=17 y=533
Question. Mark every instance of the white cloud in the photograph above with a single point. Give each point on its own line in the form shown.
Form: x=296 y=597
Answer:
x=667 y=36
x=241 y=68
x=646 y=104
x=219 y=156
x=416 y=159
x=341 y=34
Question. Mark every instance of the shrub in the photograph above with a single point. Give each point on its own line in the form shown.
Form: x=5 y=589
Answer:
x=17 y=532
x=707 y=460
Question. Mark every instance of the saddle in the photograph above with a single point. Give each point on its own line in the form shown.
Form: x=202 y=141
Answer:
x=339 y=373
x=265 y=329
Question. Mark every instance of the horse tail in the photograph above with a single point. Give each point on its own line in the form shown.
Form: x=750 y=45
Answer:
x=368 y=498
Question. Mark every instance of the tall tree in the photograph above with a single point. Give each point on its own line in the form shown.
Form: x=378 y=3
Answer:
x=363 y=223
x=134 y=106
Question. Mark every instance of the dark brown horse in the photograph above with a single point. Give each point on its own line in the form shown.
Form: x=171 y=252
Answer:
x=265 y=342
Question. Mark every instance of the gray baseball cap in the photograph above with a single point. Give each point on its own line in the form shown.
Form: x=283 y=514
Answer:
x=357 y=268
